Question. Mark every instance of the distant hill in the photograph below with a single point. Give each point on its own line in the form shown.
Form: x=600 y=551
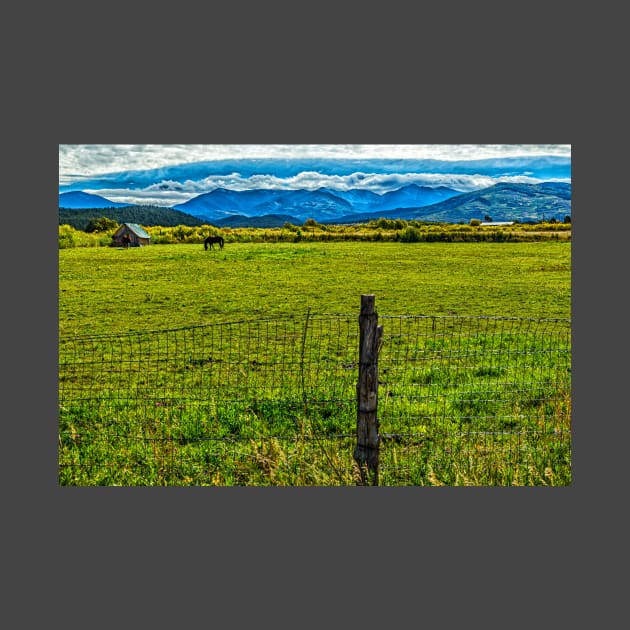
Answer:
x=267 y=208
x=80 y=199
x=503 y=202
x=222 y=203
x=143 y=215
x=415 y=196
x=303 y=204
x=323 y=204
x=265 y=221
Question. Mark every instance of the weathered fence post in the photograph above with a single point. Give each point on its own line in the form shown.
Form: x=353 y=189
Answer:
x=366 y=451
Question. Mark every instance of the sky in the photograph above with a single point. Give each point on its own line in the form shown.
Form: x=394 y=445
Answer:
x=84 y=162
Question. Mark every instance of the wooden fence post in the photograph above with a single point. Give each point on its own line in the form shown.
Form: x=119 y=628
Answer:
x=366 y=451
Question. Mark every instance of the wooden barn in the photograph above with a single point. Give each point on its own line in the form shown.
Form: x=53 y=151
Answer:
x=130 y=235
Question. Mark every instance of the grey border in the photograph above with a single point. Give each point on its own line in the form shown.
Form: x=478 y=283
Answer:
x=182 y=556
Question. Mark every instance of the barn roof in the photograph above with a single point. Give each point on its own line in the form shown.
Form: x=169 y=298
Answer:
x=137 y=230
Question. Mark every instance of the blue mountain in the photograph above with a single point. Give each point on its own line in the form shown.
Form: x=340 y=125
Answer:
x=303 y=204
x=265 y=221
x=503 y=202
x=359 y=199
x=306 y=204
x=323 y=204
x=82 y=200
x=264 y=207
x=416 y=196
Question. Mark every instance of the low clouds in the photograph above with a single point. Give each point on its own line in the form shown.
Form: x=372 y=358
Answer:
x=310 y=180
x=164 y=198
x=170 y=193
x=107 y=170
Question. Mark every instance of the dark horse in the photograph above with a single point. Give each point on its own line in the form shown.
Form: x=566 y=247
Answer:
x=213 y=239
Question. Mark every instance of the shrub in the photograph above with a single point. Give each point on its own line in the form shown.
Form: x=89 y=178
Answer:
x=67 y=236
x=410 y=235
x=71 y=237
x=103 y=224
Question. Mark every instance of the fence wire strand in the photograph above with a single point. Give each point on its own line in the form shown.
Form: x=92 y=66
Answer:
x=462 y=401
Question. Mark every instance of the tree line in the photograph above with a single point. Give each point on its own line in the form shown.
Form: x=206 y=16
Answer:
x=100 y=230
x=91 y=219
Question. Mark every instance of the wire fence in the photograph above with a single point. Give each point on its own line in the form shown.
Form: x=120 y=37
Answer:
x=461 y=401
x=475 y=401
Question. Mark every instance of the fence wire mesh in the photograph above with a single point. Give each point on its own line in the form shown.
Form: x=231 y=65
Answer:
x=462 y=401
x=475 y=401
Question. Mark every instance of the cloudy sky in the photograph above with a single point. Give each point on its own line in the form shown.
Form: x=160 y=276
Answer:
x=107 y=170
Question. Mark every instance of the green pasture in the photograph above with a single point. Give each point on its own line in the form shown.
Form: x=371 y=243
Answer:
x=238 y=366
x=106 y=289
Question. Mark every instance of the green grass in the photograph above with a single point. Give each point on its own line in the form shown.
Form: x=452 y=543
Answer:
x=110 y=290
x=462 y=402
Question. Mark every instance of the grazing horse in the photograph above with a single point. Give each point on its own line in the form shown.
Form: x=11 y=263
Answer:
x=213 y=239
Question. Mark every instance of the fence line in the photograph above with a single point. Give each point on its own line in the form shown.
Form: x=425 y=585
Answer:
x=461 y=401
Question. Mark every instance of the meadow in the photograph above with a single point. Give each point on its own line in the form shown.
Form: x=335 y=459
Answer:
x=103 y=290
x=236 y=366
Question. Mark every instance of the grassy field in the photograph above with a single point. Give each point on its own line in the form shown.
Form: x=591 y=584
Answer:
x=110 y=290
x=168 y=391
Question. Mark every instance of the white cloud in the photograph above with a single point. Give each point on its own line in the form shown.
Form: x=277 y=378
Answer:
x=170 y=193
x=83 y=160
x=143 y=197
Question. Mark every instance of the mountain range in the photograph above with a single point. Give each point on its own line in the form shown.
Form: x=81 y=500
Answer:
x=323 y=204
x=273 y=207
x=501 y=202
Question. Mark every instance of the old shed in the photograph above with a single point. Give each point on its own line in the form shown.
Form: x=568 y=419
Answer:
x=130 y=235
